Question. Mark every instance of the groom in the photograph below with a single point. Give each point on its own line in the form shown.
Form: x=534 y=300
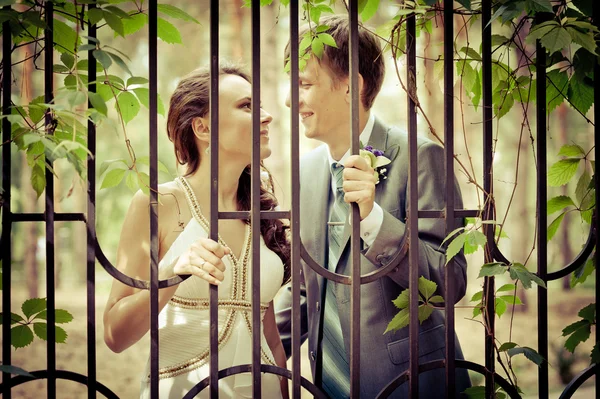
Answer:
x=327 y=188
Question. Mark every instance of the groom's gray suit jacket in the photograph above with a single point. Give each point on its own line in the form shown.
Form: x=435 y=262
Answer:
x=383 y=356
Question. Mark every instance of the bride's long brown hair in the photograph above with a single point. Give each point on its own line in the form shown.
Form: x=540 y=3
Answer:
x=191 y=100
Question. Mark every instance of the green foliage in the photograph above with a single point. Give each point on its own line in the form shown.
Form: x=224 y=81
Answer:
x=529 y=353
x=34 y=312
x=427 y=299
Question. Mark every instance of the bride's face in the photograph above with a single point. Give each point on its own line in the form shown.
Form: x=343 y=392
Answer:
x=235 y=120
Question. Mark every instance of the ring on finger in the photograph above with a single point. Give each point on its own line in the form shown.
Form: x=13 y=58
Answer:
x=201 y=265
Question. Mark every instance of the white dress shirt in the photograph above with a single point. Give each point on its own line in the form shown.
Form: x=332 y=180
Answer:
x=370 y=225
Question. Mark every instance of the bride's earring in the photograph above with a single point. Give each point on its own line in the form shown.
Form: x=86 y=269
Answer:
x=207 y=151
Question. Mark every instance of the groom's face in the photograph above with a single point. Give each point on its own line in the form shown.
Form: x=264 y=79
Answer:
x=323 y=103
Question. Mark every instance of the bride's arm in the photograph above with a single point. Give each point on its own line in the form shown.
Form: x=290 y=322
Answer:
x=274 y=341
x=127 y=312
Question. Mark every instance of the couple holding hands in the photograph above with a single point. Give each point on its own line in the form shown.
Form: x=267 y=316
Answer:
x=330 y=179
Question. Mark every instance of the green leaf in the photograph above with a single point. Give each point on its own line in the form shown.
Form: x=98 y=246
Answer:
x=327 y=39
x=33 y=306
x=553 y=228
x=317 y=47
x=402 y=301
x=477 y=392
x=581 y=92
x=36 y=110
x=131 y=181
x=104 y=166
x=583 y=272
x=469 y=52
x=519 y=272
x=134 y=24
x=583 y=184
x=7 y=368
x=21 y=336
x=529 y=353
x=167 y=32
x=114 y=22
x=60 y=315
x=477 y=309
x=98 y=103
x=467 y=74
x=399 y=321
x=41 y=330
x=492 y=269
x=559 y=203
x=506 y=346
x=144 y=182
x=65 y=37
x=579 y=332
x=465 y=3
x=562 y=171
x=588 y=313
x=511 y=299
x=68 y=60
x=477 y=296
x=436 y=299
x=369 y=10
x=118 y=12
x=474 y=240
x=584 y=39
x=595 y=355
x=175 y=12
x=113 y=178
x=14 y=317
x=557 y=84
x=95 y=15
x=120 y=62
x=103 y=58
x=506 y=287
x=38 y=179
x=556 y=40
x=571 y=150
x=129 y=106
x=136 y=80
x=533 y=6
x=500 y=307
x=455 y=246
x=143 y=94
x=426 y=287
x=424 y=313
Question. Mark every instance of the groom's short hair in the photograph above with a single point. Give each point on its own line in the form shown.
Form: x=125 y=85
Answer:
x=371 y=64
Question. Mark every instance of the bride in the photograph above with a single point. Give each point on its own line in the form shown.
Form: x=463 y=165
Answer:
x=184 y=248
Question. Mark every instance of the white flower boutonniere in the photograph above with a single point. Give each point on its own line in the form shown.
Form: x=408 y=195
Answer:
x=377 y=160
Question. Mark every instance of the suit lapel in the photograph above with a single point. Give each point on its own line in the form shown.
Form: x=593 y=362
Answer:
x=378 y=140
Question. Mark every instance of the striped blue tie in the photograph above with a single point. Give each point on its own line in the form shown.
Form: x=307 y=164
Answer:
x=336 y=371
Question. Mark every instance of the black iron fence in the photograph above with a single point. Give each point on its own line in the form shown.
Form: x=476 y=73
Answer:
x=94 y=251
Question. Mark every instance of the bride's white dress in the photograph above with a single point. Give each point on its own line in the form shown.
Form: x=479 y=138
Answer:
x=184 y=322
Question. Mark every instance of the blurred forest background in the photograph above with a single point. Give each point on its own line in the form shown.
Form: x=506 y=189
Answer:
x=122 y=372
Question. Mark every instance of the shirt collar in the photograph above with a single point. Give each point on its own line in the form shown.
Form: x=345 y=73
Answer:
x=365 y=135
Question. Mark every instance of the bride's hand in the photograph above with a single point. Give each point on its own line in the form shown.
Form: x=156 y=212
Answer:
x=203 y=259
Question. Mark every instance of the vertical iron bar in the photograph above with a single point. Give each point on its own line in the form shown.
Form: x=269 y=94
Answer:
x=255 y=201
x=596 y=20
x=5 y=241
x=49 y=210
x=413 y=214
x=542 y=233
x=488 y=286
x=214 y=193
x=91 y=226
x=449 y=153
x=295 y=211
x=153 y=57
x=355 y=215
